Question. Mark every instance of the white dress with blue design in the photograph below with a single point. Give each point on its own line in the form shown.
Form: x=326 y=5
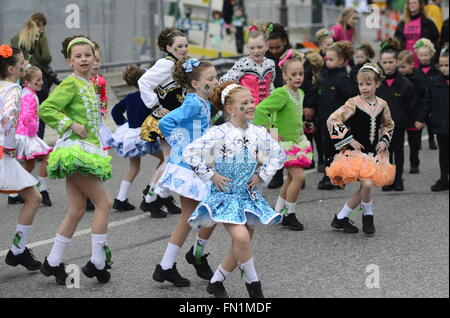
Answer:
x=237 y=154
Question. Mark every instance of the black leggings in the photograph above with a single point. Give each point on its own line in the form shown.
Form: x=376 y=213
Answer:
x=397 y=151
x=443 y=156
x=414 y=138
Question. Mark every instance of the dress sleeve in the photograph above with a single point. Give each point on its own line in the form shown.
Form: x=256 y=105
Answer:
x=270 y=154
x=118 y=111
x=275 y=102
x=339 y=132
x=8 y=117
x=168 y=125
x=52 y=109
x=387 y=126
x=234 y=74
x=103 y=96
x=198 y=154
x=149 y=82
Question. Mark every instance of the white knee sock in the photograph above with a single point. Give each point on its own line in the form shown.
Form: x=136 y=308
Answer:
x=280 y=204
x=170 y=256
x=14 y=195
x=43 y=184
x=123 y=192
x=151 y=195
x=249 y=271
x=98 y=254
x=220 y=275
x=346 y=210
x=291 y=207
x=367 y=208
x=20 y=239
x=200 y=244
x=57 y=253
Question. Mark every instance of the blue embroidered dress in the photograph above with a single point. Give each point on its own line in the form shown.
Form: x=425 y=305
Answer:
x=181 y=127
x=237 y=154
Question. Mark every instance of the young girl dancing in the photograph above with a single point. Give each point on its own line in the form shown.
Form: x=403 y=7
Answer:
x=182 y=126
x=244 y=155
x=162 y=94
x=283 y=110
x=256 y=72
x=364 y=123
x=72 y=110
x=126 y=141
x=13 y=177
x=28 y=145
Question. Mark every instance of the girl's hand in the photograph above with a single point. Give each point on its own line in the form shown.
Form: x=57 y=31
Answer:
x=381 y=147
x=221 y=182
x=419 y=125
x=164 y=111
x=104 y=115
x=79 y=130
x=356 y=145
x=254 y=181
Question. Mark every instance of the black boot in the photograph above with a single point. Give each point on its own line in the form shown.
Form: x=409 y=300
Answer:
x=325 y=184
x=440 y=185
x=254 y=290
x=217 y=289
x=432 y=143
x=123 y=206
x=169 y=203
x=58 y=271
x=202 y=267
x=388 y=188
x=277 y=180
x=46 y=199
x=26 y=259
x=292 y=223
x=344 y=224
x=414 y=169
x=102 y=275
x=170 y=275
x=154 y=208
x=399 y=186
x=368 y=227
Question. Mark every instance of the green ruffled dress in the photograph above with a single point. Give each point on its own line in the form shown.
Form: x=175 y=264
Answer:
x=75 y=100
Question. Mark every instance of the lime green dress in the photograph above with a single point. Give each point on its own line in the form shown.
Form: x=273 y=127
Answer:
x=75 y=100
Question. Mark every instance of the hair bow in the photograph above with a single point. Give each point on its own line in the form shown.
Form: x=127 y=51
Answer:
x=252 y=28
x=384 y=45
x=419 y=44
x=270 y=28
x=6 y=51
x=190 y=64
x=287 y=57
x=444 y=50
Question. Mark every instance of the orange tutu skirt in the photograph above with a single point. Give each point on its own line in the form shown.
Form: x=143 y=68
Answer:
x=353 y=166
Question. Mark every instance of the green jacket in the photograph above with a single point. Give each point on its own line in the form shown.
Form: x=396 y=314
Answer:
x=39 y=55
x=281 y=110
x=74 y=100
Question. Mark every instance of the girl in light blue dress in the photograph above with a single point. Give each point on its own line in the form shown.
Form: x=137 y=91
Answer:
x=242 y=156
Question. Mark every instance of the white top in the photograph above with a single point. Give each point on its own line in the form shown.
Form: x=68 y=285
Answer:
x=223 y=142
x=10 y=94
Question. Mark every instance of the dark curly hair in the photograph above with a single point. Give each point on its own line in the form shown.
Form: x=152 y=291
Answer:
x=132 y=74
x=391 y=46
x=7 y=62
x=167 y=38
x=343 y=49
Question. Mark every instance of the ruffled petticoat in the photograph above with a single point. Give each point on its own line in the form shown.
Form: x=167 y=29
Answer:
x=127 y=143
x=104 y=134
x=29 y=148
x=297 y=154
x=182 y=181
x=354 y=166
x=78 y=156
x=13 y=177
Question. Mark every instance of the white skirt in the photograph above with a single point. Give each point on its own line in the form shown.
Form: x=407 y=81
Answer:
x=28 y=148
x=105 y=134
x=182 y=181
x=13 y=177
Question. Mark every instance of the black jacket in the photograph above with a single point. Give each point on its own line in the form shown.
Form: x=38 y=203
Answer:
x=335 y=89
x=436 y=102
x=400 y=98
x=420 y=84
x=279 y=81
x=428 y=30
x=432 y=73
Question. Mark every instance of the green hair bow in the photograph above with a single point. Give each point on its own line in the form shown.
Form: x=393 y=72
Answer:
x=419 y=44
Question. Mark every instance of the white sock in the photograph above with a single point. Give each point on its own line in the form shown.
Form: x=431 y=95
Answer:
x=346 y=210
x=57 y=253
x=220 y=275
x=249 y=271
x=151 y=195
x=367 y=208
x=201 y=244
x=291 y=207
x=280 y=204
x=98 y=254
x=21 y=239
x=170 y=256
x=43 y=184
x=14 y=195
x=123 y=192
